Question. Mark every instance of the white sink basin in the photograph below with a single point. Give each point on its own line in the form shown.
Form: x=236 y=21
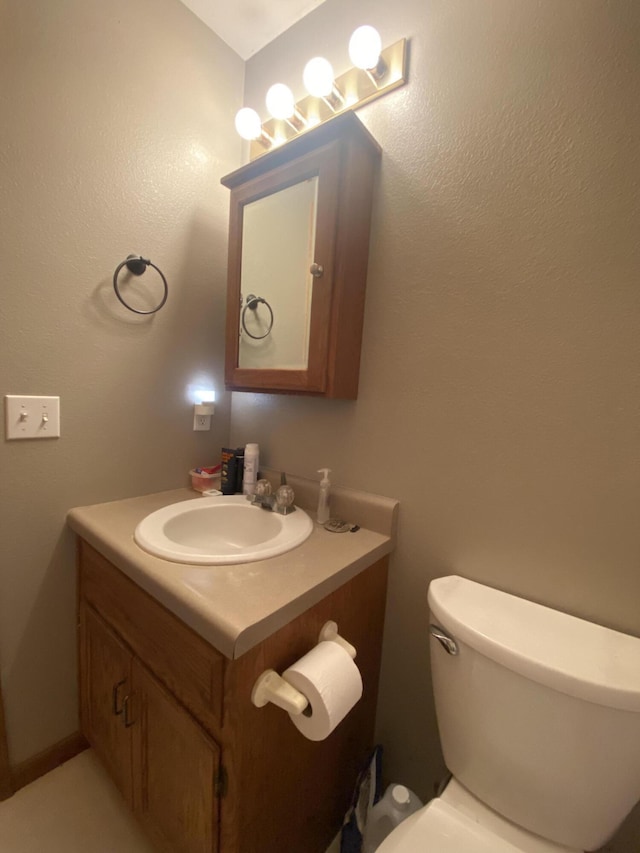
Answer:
x=220 y=530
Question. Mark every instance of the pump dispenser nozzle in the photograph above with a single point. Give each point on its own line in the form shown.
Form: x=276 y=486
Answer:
x=323 y=498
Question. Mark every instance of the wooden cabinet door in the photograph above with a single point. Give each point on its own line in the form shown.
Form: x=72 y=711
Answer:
x=105 y=690
x=175 y=770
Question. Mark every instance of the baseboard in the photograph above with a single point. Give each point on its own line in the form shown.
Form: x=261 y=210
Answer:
x=31 y=769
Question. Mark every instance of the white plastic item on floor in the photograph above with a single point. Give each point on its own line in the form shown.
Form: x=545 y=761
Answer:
x=395 y=806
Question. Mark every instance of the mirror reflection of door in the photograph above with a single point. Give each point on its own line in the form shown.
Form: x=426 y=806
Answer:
x=278 y=242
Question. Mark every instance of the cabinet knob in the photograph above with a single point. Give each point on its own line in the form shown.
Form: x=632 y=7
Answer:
x=316 y=270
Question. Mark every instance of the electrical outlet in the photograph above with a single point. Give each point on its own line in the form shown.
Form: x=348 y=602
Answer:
x=201 y=422
x=202 y=413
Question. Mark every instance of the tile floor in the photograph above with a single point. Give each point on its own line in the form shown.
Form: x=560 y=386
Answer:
x=73 y=809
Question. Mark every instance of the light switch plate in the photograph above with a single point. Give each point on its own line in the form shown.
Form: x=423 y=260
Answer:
x=32 y=417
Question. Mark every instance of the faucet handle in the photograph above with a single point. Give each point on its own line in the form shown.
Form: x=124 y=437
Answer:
x=263 y=487
x=284 y=499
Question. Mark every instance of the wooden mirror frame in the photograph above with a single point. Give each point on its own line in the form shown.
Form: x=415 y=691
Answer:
x=326 y=166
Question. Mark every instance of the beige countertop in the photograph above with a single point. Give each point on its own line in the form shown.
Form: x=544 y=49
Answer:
x=236 y=607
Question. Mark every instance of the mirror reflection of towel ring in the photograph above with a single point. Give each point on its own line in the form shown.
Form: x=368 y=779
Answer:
x=252 y=303
x=137 y=265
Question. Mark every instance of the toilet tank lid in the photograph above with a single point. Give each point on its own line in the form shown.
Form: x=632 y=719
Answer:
x=568 y=654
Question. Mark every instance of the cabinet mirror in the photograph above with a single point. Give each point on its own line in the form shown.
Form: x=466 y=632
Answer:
x=278 y=244
x=298 y=246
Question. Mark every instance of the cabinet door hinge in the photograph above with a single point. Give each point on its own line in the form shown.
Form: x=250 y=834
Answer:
x=221 y=782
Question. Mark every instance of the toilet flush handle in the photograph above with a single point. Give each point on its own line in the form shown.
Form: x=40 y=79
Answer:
x=448 y=643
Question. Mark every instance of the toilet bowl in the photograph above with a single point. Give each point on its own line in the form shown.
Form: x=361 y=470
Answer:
x=456 y=822
x=539 y=720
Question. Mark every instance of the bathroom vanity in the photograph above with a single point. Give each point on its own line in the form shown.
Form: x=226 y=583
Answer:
x=169 y=654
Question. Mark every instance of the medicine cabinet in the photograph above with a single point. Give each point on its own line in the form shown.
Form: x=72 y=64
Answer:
x=298 y=250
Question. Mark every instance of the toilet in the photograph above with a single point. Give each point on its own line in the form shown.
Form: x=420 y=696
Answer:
x=539 y=720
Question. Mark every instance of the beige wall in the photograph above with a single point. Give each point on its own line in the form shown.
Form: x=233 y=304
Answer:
x=500 y=381
x=116 y=123
x=501 y=361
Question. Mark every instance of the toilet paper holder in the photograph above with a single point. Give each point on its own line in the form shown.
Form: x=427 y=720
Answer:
x=272 y=687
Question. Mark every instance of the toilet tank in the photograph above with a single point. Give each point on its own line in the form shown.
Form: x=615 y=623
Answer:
x=538 y=712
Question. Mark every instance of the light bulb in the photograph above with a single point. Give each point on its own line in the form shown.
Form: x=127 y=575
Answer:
x=280 y=102
x=364 y=47
x=248 y=123
x=318 y=77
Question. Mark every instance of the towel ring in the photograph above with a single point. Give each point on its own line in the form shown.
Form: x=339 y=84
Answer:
x=137 y=265
x=252 y=303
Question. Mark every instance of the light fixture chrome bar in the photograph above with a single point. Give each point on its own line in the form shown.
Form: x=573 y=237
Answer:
x=356 y=88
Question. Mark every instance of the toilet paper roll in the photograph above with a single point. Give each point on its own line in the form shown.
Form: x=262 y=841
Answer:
x=332 y=683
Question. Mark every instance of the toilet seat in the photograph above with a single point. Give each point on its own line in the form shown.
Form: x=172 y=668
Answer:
x=457 y=822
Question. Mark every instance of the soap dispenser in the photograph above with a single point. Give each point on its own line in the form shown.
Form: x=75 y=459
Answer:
x=323 y=498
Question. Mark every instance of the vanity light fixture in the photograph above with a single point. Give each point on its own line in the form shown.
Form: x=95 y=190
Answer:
x=250 y=128
x=318 y=79
x=365 y=46
x=375 y=72
x=282 y=105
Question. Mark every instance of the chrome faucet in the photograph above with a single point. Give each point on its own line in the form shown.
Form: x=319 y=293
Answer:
x=281 y=502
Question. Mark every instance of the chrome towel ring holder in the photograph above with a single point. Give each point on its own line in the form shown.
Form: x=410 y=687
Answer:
x=251 y=304
x=137 y=265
